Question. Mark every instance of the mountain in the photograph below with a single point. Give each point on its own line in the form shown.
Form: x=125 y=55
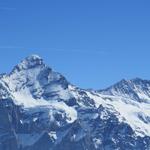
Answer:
x=136 y=89
x=41 y=110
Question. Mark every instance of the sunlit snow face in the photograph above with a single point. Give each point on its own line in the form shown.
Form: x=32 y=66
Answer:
x=34 y=77
x=33 y=85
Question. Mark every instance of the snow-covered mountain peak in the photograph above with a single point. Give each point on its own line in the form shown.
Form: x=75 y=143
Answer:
x=136 y=89
x=124 y=83
x=26 y=73
x=34 y=77
x=40 y=105
x=29 y=62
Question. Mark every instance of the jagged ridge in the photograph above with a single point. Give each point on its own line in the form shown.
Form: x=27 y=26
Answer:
x=40 y=109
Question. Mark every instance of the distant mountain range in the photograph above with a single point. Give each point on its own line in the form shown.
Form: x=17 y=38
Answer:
x=41 y=110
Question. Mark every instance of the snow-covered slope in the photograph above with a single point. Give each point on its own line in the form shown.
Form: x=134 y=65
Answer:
x=40 y=109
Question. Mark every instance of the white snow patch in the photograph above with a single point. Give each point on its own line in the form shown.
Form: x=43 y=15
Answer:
x=97 y=142
x=128 y=110
x=53 y=135
x=70 y=111
x=25 y=99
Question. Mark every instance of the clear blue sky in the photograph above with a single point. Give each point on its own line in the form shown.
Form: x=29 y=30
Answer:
x=94 y=43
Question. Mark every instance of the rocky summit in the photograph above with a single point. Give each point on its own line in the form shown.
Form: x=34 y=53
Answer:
x=41 y=110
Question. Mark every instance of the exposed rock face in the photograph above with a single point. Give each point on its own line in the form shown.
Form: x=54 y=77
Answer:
x=41 y=110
